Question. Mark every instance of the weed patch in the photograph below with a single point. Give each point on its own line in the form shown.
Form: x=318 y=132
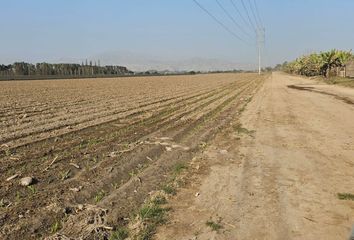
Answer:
x=99 y=196
x=178 y=168
x=56 y=226
x=152 y=212
x=169 y=190
x=346 y=196
x=119 y=234
x=32 y=189
x=18 y=197
x=151 y=215
x=215 y=226
x=2 y=203
x=159 y=200
x=65 y=175
x=241 y=130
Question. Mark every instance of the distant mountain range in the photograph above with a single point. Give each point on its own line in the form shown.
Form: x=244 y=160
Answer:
x=136 y=62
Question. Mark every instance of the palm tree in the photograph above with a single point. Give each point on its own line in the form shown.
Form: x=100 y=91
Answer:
x=345 y=57
x=330 y=60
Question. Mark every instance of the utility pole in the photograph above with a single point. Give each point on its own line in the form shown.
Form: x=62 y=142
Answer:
x=260 y=43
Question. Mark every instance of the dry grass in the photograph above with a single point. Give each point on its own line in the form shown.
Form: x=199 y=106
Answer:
x=347 y=82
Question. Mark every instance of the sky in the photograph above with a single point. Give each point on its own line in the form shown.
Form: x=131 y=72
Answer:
x=169 y=33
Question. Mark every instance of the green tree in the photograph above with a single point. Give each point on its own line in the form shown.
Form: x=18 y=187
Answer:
x=319 y=64
x=330 y=60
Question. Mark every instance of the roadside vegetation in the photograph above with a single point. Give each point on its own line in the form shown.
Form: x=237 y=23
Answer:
x=337 y=81
x=319 y=64
x=153 y=212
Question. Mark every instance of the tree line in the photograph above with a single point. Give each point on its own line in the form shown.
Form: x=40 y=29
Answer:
x=60 y=69
x=318 y=64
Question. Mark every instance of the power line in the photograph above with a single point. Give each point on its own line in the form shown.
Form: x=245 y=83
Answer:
x=254 y=15
x=239 y=13
x=260 y=45
x=257 y=11
x=219 y=22
x=248 y=16
x=232 y=19
x=260 y=33
x=259 y=29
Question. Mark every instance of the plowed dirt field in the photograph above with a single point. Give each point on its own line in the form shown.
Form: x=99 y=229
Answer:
x=104 y=143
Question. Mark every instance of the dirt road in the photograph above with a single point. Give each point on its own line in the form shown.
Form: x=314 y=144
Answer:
x=279 y=174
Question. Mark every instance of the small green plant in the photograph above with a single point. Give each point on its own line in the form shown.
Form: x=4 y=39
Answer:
x=239 y=129
x=56 y=226
x=152 y=212
x=119 y=234
x=179 y=167
x=32 y=189
x=152 y=215
x=83 y=144
x=125 y=146
x=99 y=196
x=7 y=152
x=215 y=226
x=93 y=142
x=346 y=196
x=65 y=175
x=94 y=160
x=133 y=173
x=148 y=232
x=202 y=145
x=18 y=196
x=2 y=203
x=180 y=183
x=115 y=185
x=169 y=190
x=159 y=200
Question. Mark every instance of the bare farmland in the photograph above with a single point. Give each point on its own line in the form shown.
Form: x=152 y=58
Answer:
x=87 y=141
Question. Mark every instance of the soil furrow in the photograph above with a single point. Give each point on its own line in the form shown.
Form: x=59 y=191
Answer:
x=189 y=121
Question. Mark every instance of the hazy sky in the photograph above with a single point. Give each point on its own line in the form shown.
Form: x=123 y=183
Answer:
x=71 y=30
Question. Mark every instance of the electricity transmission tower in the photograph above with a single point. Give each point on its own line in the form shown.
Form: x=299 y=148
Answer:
x=260 y=45
x=255 y=26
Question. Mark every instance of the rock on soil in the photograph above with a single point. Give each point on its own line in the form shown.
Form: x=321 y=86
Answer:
x=26 y=181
